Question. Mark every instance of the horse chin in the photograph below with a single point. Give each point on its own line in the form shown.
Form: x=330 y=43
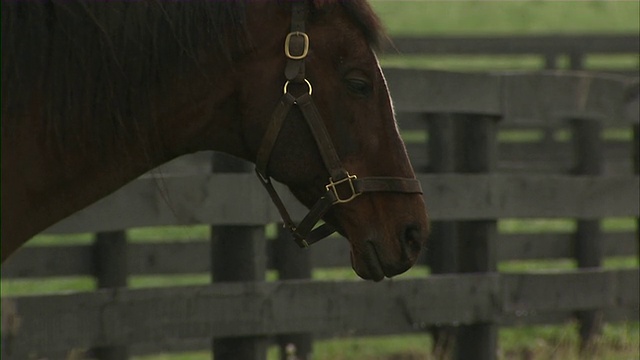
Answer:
x=375 y=256
x=367 y=265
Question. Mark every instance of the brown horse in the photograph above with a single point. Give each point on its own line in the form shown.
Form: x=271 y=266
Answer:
x=95 y=94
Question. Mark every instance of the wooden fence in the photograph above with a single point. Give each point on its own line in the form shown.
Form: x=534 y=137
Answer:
x=472 y=176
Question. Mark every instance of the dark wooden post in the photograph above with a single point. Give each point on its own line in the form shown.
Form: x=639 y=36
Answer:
x=588 y=154
x=636 y=168
x=442 y=256
x=551 y=61
x=110 y=259
x=238 y=253
x=476 y=152
x=292 y=262
x=576 y=61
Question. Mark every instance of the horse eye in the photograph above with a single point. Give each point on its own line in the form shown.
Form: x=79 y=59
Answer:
x=359 y=87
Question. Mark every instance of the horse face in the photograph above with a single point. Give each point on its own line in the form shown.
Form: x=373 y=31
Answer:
x=386 y=230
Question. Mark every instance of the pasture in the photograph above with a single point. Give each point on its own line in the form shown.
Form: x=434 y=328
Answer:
x=617 y=341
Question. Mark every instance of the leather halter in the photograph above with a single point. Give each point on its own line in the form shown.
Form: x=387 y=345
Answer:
x=342 y=187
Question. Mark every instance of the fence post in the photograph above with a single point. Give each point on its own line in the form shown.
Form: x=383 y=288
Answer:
x=576 y=60
x=110 y=259
x=588 y=154
x=476 y=152
x=636 y=169
x=292 y=262
x=238 y=253
x=550 y=61
x=442 y=256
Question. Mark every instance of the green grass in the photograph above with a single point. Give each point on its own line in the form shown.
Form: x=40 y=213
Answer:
x=528 y=135
x=618 y=341
x=173 y=233
x=60 y=240
x=462 y=63
x=502 y=62
x=551 y=342
x=508 y=17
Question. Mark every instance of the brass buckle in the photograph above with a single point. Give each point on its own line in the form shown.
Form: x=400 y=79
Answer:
x=332 y=187
x=305 y=50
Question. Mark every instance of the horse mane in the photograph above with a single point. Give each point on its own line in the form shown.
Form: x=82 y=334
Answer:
x=88 y=69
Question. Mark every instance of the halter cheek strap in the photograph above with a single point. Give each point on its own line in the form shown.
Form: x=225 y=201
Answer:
x=342 y=187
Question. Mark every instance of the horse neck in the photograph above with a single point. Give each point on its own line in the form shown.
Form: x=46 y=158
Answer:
x=41 y=187
x=43 y=184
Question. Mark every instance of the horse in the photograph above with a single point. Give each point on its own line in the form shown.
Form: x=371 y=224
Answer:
x=94 y=94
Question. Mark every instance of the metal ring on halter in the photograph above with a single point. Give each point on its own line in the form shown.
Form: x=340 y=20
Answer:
x=305 y=80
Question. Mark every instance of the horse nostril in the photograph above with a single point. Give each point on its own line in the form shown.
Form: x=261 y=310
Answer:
x=412 y=239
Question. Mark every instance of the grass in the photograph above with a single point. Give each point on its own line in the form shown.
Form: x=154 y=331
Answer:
x=507 y=17
x=551 y=342
x=502 y=62
x=559 y=342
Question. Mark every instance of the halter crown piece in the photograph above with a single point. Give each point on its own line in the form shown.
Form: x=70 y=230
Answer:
x=342 y=187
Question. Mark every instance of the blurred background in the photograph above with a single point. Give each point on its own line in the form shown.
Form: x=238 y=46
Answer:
x=516 y=20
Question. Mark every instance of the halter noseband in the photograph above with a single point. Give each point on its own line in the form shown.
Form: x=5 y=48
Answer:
x=342 y=187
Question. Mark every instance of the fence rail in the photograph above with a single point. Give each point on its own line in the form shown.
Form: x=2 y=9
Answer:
x=196 y=200
x=174 y=257
x=125 y=316
x=549 y=47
